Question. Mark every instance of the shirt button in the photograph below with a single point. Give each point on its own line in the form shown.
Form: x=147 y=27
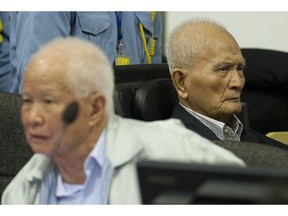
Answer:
x=226 y=130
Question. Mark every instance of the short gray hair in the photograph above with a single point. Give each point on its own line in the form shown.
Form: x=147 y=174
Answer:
x=179 y=48
x=88 y=68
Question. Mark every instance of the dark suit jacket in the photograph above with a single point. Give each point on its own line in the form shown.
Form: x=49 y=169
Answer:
x=194 y=124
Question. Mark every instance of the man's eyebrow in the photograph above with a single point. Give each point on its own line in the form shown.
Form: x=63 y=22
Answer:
x=221 y=64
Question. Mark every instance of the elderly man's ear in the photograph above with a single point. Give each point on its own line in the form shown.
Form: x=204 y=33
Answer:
x=97 y=102
x=179 y=77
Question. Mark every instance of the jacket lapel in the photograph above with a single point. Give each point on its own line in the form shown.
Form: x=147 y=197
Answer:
x=192 y=123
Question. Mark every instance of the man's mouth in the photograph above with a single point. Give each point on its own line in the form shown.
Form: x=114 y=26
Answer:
x=38 y=138
x=233 y=99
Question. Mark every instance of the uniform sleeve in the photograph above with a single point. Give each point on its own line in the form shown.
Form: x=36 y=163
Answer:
x=35 y=29
x=5 y=66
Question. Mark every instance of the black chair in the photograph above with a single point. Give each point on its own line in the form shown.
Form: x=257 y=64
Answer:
x=266 y=89
x=14 y=150
x=155 y=100
x=140 y=73
x=128 y=79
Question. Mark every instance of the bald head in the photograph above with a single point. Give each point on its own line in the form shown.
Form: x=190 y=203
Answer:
x=194 y=38
x=77 y=64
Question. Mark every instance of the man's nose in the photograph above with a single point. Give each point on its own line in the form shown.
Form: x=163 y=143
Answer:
x=237 y=80
x=35 y=115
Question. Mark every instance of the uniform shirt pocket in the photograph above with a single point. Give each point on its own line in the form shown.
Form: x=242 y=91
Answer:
x=94 y=23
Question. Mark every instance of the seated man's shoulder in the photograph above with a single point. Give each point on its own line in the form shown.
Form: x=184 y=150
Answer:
x=169 y=125
x=251 y=135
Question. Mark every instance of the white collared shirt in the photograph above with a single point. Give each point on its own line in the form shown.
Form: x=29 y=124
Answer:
x=95 y=190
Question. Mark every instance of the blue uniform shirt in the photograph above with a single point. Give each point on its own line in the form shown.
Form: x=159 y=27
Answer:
x=37 y=28
x=6 y=77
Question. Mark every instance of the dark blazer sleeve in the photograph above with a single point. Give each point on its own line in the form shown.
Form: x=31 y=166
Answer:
x=248 y=134
x=251 y=135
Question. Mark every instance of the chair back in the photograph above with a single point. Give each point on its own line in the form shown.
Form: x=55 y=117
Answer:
x=155 y=100
x=266 y=89
x=128 y=79
x=14 y=150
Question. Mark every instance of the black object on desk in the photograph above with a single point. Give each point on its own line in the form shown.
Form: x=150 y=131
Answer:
x=179 y=183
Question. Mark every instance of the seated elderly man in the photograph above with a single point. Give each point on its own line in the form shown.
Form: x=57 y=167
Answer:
x=206 y=66
x=90 y=160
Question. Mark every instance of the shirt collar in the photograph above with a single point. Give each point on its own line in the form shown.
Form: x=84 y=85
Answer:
x=96 y=158
x=98 y=154
x=218 y=127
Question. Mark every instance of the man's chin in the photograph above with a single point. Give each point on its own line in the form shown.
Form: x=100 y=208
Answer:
x=41 y=150
x=233 y=109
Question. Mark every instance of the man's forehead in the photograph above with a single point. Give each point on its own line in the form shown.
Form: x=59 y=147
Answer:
x=46 y=66
x=44 y=87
